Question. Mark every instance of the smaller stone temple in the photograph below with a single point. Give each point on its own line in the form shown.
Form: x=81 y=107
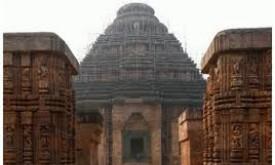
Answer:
x=88 y=136
x=39 y=105
x=190 y=137
x=237 y=102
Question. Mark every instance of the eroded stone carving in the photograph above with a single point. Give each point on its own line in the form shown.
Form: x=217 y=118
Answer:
x=9 y=132
x=236 y=141
x=43 y=78
x=237 y=82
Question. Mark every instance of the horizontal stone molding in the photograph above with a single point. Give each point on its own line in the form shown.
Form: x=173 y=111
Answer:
x=39 y=42
x=236 y=40
x=190 y=114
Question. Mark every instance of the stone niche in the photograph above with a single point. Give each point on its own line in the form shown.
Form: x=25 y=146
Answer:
x=237 y=100
x=190 y=139
x=38 y=99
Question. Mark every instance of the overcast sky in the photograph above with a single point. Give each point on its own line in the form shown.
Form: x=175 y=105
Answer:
x=79 y=22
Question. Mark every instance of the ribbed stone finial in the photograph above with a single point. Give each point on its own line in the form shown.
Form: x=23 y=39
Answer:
x=135 y=8
x=136 y=18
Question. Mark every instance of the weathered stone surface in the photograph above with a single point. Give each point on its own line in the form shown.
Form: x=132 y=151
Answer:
x=38 y=100
x=237 y=101
x=190 y=137
x=236 y=40
x=138 y=63
x=88 y=136
x=37 y=42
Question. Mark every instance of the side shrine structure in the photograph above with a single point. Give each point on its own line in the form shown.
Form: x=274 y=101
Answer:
x=237 y=102
x=139 y=79
x=39 y=120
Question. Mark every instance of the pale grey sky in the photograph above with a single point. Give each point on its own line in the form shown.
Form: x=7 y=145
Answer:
x=79 y=22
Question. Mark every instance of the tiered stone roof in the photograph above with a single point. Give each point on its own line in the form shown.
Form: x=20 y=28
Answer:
x=136 y=58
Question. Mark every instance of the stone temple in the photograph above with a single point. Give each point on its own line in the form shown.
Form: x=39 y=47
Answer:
x=138 y=80
x=136 y=98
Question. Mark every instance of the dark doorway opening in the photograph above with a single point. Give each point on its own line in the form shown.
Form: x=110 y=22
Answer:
x=137 y=147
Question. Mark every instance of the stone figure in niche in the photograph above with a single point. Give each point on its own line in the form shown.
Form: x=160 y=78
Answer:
x=7 y=77
x=236 y=136
x=217 y=76
x=237 y=82
x=9 y=135
x=43 y=75
x=236 y=67
x=253 y=136
x=26 y=77
x=27 y=136
x=25 y=74
x=252 y=67
x=44 y=141
x=61 y=77
x=43 y=72
x=44 y=130
x=7 y=74
x=136 y=26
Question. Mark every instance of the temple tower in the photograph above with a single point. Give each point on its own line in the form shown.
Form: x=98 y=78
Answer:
x=140 y=79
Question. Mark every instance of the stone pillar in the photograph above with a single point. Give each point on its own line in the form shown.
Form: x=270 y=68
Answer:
x=88 y=135
x=38 y=99
x=237 y=101
x=190 y=137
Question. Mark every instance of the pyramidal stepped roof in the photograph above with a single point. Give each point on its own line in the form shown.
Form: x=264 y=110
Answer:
x=137 y=57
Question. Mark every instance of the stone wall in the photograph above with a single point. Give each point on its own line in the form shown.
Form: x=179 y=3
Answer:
x=190 y=137
x=38 y=99
x=237 y=101
x=88 y=136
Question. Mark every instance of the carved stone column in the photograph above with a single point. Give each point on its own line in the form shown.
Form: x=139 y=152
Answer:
x=237 y=104
x=37 y=91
